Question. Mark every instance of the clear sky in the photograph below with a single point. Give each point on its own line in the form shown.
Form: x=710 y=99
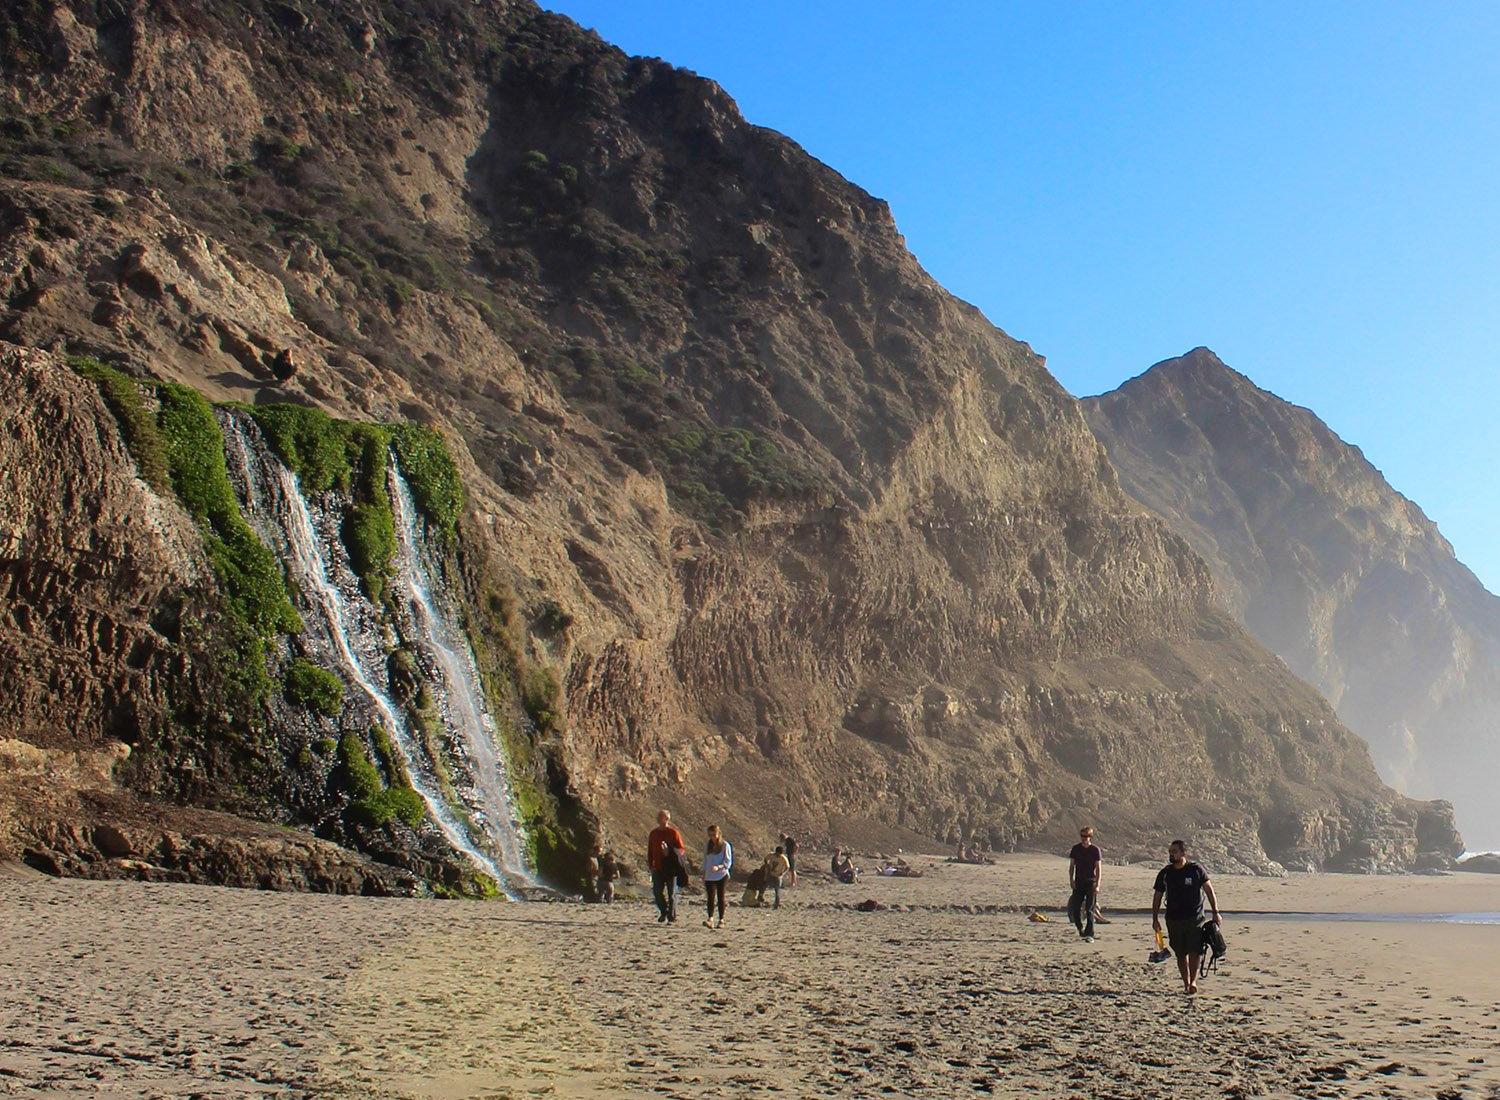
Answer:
x=1311 y=190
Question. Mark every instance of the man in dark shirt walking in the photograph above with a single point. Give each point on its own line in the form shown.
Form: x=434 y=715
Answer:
x=1184 y=885
x=1084 y=865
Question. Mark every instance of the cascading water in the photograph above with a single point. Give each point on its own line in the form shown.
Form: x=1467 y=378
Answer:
x=468 y=719
x=348 y=627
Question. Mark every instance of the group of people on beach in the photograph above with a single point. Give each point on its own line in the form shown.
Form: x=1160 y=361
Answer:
x=1182 y=885
x=667 y=859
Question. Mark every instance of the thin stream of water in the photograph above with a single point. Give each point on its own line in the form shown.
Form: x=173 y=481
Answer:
x=466 y=714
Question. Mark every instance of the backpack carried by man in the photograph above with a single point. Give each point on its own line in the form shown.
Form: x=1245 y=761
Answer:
x=1214 y=947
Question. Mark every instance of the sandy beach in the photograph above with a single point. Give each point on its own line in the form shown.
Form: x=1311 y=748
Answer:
x=138 y=990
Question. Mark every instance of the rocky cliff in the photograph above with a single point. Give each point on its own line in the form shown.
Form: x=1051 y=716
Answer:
x=767 y=526
x=1328 y=566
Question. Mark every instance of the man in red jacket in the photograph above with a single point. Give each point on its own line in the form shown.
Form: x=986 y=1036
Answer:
x=664 y=848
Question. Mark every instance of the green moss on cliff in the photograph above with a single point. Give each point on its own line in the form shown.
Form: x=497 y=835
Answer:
x=372 y=802
x=350 y=457
x=307 y=685
x=370 y=526
x=314 y=445
x=558 y=833
x=430 y=471
x=126 y=399
x=248 y=573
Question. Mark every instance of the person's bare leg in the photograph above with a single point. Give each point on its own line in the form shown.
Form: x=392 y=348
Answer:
x=1193 y=963
x=1182 y=968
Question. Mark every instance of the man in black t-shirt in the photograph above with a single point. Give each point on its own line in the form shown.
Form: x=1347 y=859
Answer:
x=1184 y=885
x=1084 y=863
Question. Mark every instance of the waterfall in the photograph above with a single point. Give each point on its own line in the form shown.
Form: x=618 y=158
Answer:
x=469 y=723
x=347 y=625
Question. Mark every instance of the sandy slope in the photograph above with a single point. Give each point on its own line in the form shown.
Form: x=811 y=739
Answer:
x=164 y=990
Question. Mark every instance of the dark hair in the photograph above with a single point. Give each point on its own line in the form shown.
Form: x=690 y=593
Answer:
x=779 y=850
x=1178 y=844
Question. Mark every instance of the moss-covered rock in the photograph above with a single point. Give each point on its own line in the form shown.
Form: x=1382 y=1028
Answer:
x=372 y=802
x=317 y=689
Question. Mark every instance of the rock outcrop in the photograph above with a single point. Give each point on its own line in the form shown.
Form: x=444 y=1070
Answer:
x=1332 y=569
x=794 y=539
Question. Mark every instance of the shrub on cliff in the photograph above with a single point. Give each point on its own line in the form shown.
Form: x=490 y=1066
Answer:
x=432 y=475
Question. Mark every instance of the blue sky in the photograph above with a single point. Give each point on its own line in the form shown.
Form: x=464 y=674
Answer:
x=1313 y=191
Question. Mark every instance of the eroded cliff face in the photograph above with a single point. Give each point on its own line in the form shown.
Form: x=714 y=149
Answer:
x=111 y=650
x=1328 y=566
x=809 y=545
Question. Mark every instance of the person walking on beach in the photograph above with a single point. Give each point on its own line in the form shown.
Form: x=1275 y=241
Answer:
x=664 y=851
x=789 y=849
x=718 y=859
x=606 y=869
x=775 y=869
x=1085 y=862
x=1184 y=885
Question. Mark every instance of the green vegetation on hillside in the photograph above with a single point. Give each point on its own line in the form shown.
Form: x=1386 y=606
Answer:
x=353 y=457
x=180 y=447
x=347 y=456
x=715 y=472
x=317 y=448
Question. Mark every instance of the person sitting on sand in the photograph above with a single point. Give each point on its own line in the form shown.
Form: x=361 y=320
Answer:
x=1184 y=885
x=844 y=869
x=718 y=860
x=664 y=850
x=606 y=870
x=1085 y=863
x=773 y=875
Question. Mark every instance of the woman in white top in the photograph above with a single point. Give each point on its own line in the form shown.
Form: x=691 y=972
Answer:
x=718 y=858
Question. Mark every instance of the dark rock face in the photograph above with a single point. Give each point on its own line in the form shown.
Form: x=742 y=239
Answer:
x=1486 y=863
x=809 y=544
x=1328 y=566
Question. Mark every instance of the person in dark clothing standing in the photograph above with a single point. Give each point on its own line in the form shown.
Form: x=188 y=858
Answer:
x=789 y=849
x=1184 y=885
x=1085 y=862
x=664 y=851
x=606 y=870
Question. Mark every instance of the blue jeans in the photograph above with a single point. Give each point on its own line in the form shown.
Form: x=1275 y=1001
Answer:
x=775 y=885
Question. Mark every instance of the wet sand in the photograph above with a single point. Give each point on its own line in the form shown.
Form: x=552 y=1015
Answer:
x=131 y=989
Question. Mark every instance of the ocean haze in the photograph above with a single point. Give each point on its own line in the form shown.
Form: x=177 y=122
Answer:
x=1349 y=582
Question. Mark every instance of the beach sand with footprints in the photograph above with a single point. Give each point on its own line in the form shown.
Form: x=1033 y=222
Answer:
x=131 y=989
